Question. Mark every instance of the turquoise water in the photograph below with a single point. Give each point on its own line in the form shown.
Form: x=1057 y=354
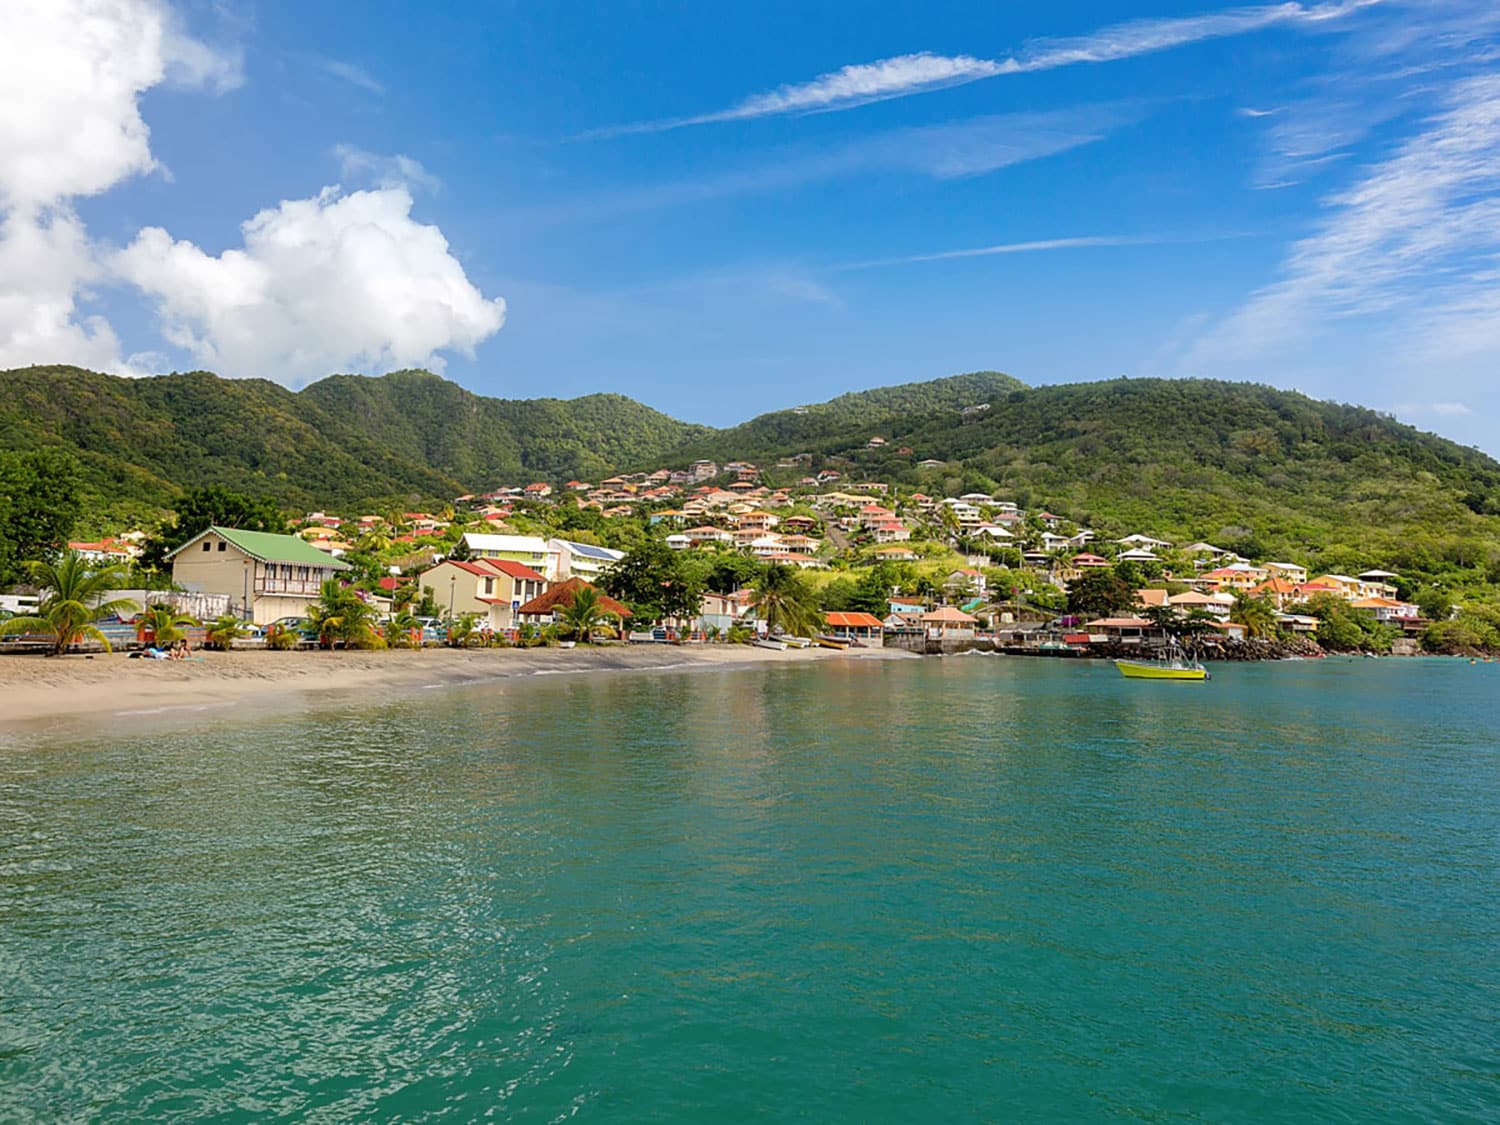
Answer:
x=958 y=889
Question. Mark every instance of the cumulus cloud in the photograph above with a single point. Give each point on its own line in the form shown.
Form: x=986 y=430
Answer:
x=71 y=74
x=44 y=260
x=321 y=284
x=922 y=72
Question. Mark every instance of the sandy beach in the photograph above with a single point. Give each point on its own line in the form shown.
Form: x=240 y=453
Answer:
x=35 y=688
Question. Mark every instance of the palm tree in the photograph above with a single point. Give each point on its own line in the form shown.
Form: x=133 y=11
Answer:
x=463 y=632
x=781 y=599
x=403 y=630
x=224 y=631
x=164 y=623
x=341 y=616
x=580 y=619
x=75 y=599
x=1257 y=615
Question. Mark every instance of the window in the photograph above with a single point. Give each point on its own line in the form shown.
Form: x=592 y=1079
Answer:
x=489 y=585
x=207 y=546
x=222 y=544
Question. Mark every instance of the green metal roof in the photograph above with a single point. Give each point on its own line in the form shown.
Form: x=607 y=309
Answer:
x=266 y=547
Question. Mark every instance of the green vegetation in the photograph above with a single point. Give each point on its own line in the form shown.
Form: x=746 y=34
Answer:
x=656 y=582
x=342 y=618
x=1265 y=473
x=165 y=624
x=223 y=631
x=40 y=500
x=345 y=441
x=77 y=596
x=580 y=619
x=782 y=600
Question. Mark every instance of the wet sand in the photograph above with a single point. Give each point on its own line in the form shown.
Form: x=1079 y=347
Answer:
x=36 y=688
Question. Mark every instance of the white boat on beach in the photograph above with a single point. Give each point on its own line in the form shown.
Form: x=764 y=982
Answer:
x=797 y=642
x=775 y=643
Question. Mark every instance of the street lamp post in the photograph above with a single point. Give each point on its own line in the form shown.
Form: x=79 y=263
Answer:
x=245 y=593
x=452 y=586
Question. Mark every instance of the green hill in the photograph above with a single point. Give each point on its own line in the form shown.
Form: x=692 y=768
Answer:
x=850 y=418
x=1248 y=467
x=345 y=441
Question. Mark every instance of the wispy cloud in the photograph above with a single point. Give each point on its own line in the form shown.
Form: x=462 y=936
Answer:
x=953 y=150
x=351 y=73
x=358 y=166
x=1421 y=228
x=1037 y=246
x=905 y=75
x=1032 y=247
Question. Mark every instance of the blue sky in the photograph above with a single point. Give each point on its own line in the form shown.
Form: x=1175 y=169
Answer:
x=721 y=210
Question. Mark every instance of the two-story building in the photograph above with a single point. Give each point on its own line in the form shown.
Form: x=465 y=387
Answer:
x=265 y=576
x=492 y=588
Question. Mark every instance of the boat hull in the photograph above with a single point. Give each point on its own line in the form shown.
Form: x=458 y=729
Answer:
x=1142 y=671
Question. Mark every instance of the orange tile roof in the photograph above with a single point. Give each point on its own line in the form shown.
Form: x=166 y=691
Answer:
x=853 y=620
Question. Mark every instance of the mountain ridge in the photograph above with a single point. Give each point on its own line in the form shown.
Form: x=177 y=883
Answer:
x=1251 y=464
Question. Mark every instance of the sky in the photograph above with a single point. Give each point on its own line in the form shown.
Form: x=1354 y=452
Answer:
x=726 y=209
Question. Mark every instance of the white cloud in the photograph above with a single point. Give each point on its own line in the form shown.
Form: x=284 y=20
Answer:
x=950 y=150
x=1147 y=36
x=922 y=72
x=43 y=263
x=1420 y=229
x=71 y=75
x=358 y=166
x=351 y=73
x=1034 y=247
x=322 y=284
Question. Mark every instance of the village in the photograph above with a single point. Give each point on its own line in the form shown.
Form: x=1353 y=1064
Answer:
x=934 y=573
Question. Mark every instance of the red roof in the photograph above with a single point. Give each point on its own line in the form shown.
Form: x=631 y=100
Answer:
x=561 y=596
x=389 y=582
x=854 y=620
x=514 y=569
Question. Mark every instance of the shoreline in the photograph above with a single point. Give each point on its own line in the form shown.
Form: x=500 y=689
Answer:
x=37 y=689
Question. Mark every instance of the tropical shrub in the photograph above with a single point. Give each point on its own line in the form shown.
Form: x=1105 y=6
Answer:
x=75 y=598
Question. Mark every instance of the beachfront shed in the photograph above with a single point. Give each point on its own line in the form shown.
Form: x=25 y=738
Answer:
x=865 y=628
x=949 y=624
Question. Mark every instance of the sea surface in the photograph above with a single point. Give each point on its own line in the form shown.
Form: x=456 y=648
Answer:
x=955 y=889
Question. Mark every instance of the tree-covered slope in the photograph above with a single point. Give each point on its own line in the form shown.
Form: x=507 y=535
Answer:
x=1247 y=464
x=850 y=418
x=344 y=441
x=429 y=420
x=1249 y=467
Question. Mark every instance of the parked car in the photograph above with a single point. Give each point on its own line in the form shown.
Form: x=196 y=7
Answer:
x=302 y=626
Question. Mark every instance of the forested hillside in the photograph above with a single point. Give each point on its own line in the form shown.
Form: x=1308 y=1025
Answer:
x=1254 y=469
x=345 y=441
x=850 y=418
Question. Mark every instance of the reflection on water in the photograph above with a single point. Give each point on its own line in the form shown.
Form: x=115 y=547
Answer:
x=966 y=887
